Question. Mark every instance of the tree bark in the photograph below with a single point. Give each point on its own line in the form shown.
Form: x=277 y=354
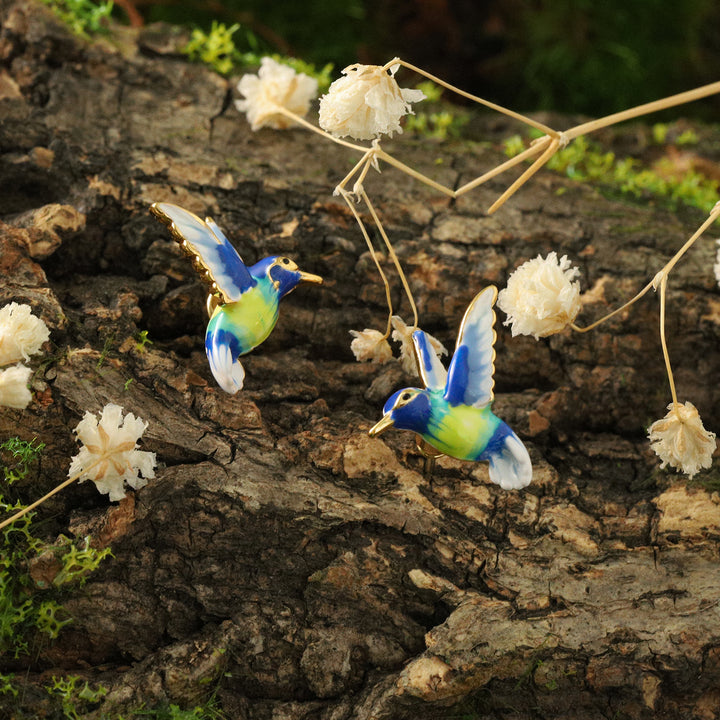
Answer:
x=282 y=559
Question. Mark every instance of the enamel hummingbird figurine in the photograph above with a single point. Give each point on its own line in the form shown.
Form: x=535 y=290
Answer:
x=453 y=413
x=244 y=301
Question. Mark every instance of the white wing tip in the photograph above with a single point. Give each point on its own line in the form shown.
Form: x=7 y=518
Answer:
x=229 y=374
x=511 y=468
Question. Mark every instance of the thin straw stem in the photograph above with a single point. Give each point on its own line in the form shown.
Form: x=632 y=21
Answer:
x=614 y=312
x=533 y=150
x=341 y=185
x=510 y=113
x=553 y=145
x=645 y=109
x=663 y=342
x=390 y=160
x=346 y=196
x=45 y=497
x=309 y=126
x=392 y=254
x=714 y=214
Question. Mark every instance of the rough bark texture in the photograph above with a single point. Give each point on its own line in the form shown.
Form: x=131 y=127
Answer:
x=282 y=558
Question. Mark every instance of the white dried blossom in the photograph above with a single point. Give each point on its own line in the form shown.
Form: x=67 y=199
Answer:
x=21 y=333
x=541 y=298
x=366 y=103
x=370 y=345
x=402 y=333
x=109 y=456
x=275 y=86
x=14 y=390
x=681 y=441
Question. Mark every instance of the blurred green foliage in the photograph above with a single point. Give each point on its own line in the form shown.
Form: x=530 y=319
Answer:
x=84 y=17
x=566 y=55
x=597 y=57
x=584 y=160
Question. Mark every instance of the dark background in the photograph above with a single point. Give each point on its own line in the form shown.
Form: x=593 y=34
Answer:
x=575 y=56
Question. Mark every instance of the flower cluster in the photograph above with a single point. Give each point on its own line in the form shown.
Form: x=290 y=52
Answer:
x=274 y=89
x=21 y=335
x=366 y=103
x=372 y=345
x=109 y=456
x=681 y=441
x=541 y=298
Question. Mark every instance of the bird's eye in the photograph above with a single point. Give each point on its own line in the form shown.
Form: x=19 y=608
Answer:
x=285 y=261
x=405 y=397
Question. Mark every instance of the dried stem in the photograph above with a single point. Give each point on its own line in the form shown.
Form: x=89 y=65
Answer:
x=390 y=160
x=553 y=145
x=714 y=215
x=481 y=101
x=392 y=254
x=645 y=109
x=340 y=187
x=533 y=150
x=309 y=126
x=346 y=196
x=45 y=497
x=663 y=342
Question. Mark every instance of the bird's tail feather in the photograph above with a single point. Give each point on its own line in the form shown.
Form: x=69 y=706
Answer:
x=510 y=465
x=229 y=373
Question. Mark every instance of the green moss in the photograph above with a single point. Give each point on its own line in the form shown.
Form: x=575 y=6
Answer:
x=84 y=17
x=29 y=607
x=585 y=161
x=435 y=120
x=229 y=49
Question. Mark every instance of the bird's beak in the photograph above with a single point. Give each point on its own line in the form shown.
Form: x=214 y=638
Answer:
x=310 y=278
x=381 y=426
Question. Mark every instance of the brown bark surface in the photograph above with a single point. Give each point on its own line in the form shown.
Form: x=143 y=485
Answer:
x=282 y=558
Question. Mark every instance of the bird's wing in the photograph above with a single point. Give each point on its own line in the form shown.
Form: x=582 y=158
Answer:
x=432 y=371
x=214 y=256
x=470 y=375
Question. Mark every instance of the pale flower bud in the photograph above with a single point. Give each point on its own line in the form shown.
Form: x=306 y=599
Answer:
x=14 y=390
x=541 y=298
x=21 y=333
x=681 y=441
x=274 y=86
x=109 y=456
x=402 y=333
x=366 y=103
x=370 y=345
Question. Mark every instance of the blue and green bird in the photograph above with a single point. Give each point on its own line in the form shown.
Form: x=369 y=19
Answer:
x=244 y=301
x=453 y=413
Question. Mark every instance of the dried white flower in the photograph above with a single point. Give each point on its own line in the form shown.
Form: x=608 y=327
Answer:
x=21 y=333
x=402 y=333
x=370 y=345
x=274 y=86
x=681 y=441
x=366 y=103
x=541 y=298
x=716 y=267
x=109 y=456
x=14 y=390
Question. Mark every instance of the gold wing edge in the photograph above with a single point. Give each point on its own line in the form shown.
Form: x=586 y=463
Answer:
x=199 y=265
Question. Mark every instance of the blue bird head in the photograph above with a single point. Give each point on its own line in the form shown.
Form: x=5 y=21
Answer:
x=283 y=273
x=407 y=409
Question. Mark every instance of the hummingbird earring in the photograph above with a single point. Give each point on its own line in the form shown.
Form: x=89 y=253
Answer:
x=453 y=414
x=243 y=302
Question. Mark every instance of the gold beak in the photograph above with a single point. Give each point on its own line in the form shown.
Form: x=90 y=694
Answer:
x=310 y=278
x=381 y=426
